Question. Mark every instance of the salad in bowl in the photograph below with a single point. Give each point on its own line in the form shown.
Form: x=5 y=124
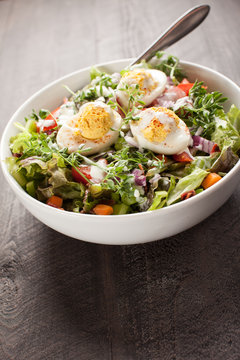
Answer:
x=133 y=141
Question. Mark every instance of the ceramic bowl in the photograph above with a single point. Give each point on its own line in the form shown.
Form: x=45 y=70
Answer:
x=130 y=228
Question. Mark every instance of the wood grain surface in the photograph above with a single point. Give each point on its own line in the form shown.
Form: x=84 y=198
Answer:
x=64 y=299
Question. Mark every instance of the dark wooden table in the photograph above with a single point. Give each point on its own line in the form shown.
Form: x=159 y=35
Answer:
x=65 y=299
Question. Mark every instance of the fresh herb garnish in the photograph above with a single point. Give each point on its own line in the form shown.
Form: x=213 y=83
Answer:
x=135 y=104
x=170 y=66
x=205 y=108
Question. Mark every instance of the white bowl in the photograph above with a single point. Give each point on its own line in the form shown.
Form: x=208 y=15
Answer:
x=130 y=228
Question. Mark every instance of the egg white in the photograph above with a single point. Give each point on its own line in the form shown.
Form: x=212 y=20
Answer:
x=70 y=137
x=176 y=141
x=154 y=84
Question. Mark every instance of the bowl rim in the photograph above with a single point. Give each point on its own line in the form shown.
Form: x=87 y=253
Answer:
x=165 y=210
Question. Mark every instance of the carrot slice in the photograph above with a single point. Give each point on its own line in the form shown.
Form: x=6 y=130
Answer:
x=210 y=180
x=102 y=209
x=55 y=201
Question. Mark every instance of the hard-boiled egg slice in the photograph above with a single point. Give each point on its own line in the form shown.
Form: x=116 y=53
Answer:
x=94 y=128
x=161 y=130
x=151 y=84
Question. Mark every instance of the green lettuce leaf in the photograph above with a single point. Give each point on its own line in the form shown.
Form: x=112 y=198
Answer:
x=159 y=200
x=205 y=162
x=20 y=142
x=217 y=162
x=59 y=183
x=227 y=130
x=34 y=167
x=226 y=161
x=234 y=117
x=16 y=171
x=187 y=183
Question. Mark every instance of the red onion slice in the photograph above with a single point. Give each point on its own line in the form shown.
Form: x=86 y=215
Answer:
x=202 y=144
x=139 y=177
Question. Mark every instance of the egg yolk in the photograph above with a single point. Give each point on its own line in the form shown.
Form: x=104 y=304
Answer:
x=156 y=131
x=94 y=122
x=142 y=78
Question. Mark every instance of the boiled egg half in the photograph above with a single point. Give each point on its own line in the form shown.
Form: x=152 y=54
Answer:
x=151 y=84
x=93 y=129
x=161 y=130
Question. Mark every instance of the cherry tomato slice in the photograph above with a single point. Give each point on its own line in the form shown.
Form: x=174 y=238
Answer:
x=186 y=87
x=49 y=122
x=85 y=170
x=183 y=157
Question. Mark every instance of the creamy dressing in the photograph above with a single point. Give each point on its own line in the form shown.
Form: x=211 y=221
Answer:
x=66 y=112
x=184 y=101
x=45 y=123
x=177 y=136
x=96 y=173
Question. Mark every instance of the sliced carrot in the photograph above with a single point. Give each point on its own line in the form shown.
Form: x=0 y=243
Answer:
x=210 y=180
x=55 y=201
x=140 y=167
x=183 y=157
x=102 y=209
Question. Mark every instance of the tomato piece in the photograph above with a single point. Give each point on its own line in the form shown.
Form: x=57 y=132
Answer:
x=183 y=157
x=160 y=157
x=46 y=125
x=215 y=148
x=188 y=194
x=85 y=171
x=186 y=87
x=53 y=115
x=49 y=123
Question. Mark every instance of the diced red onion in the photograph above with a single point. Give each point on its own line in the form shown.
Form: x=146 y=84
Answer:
x=169 y=97
x=139 y=177
x=202 y=144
